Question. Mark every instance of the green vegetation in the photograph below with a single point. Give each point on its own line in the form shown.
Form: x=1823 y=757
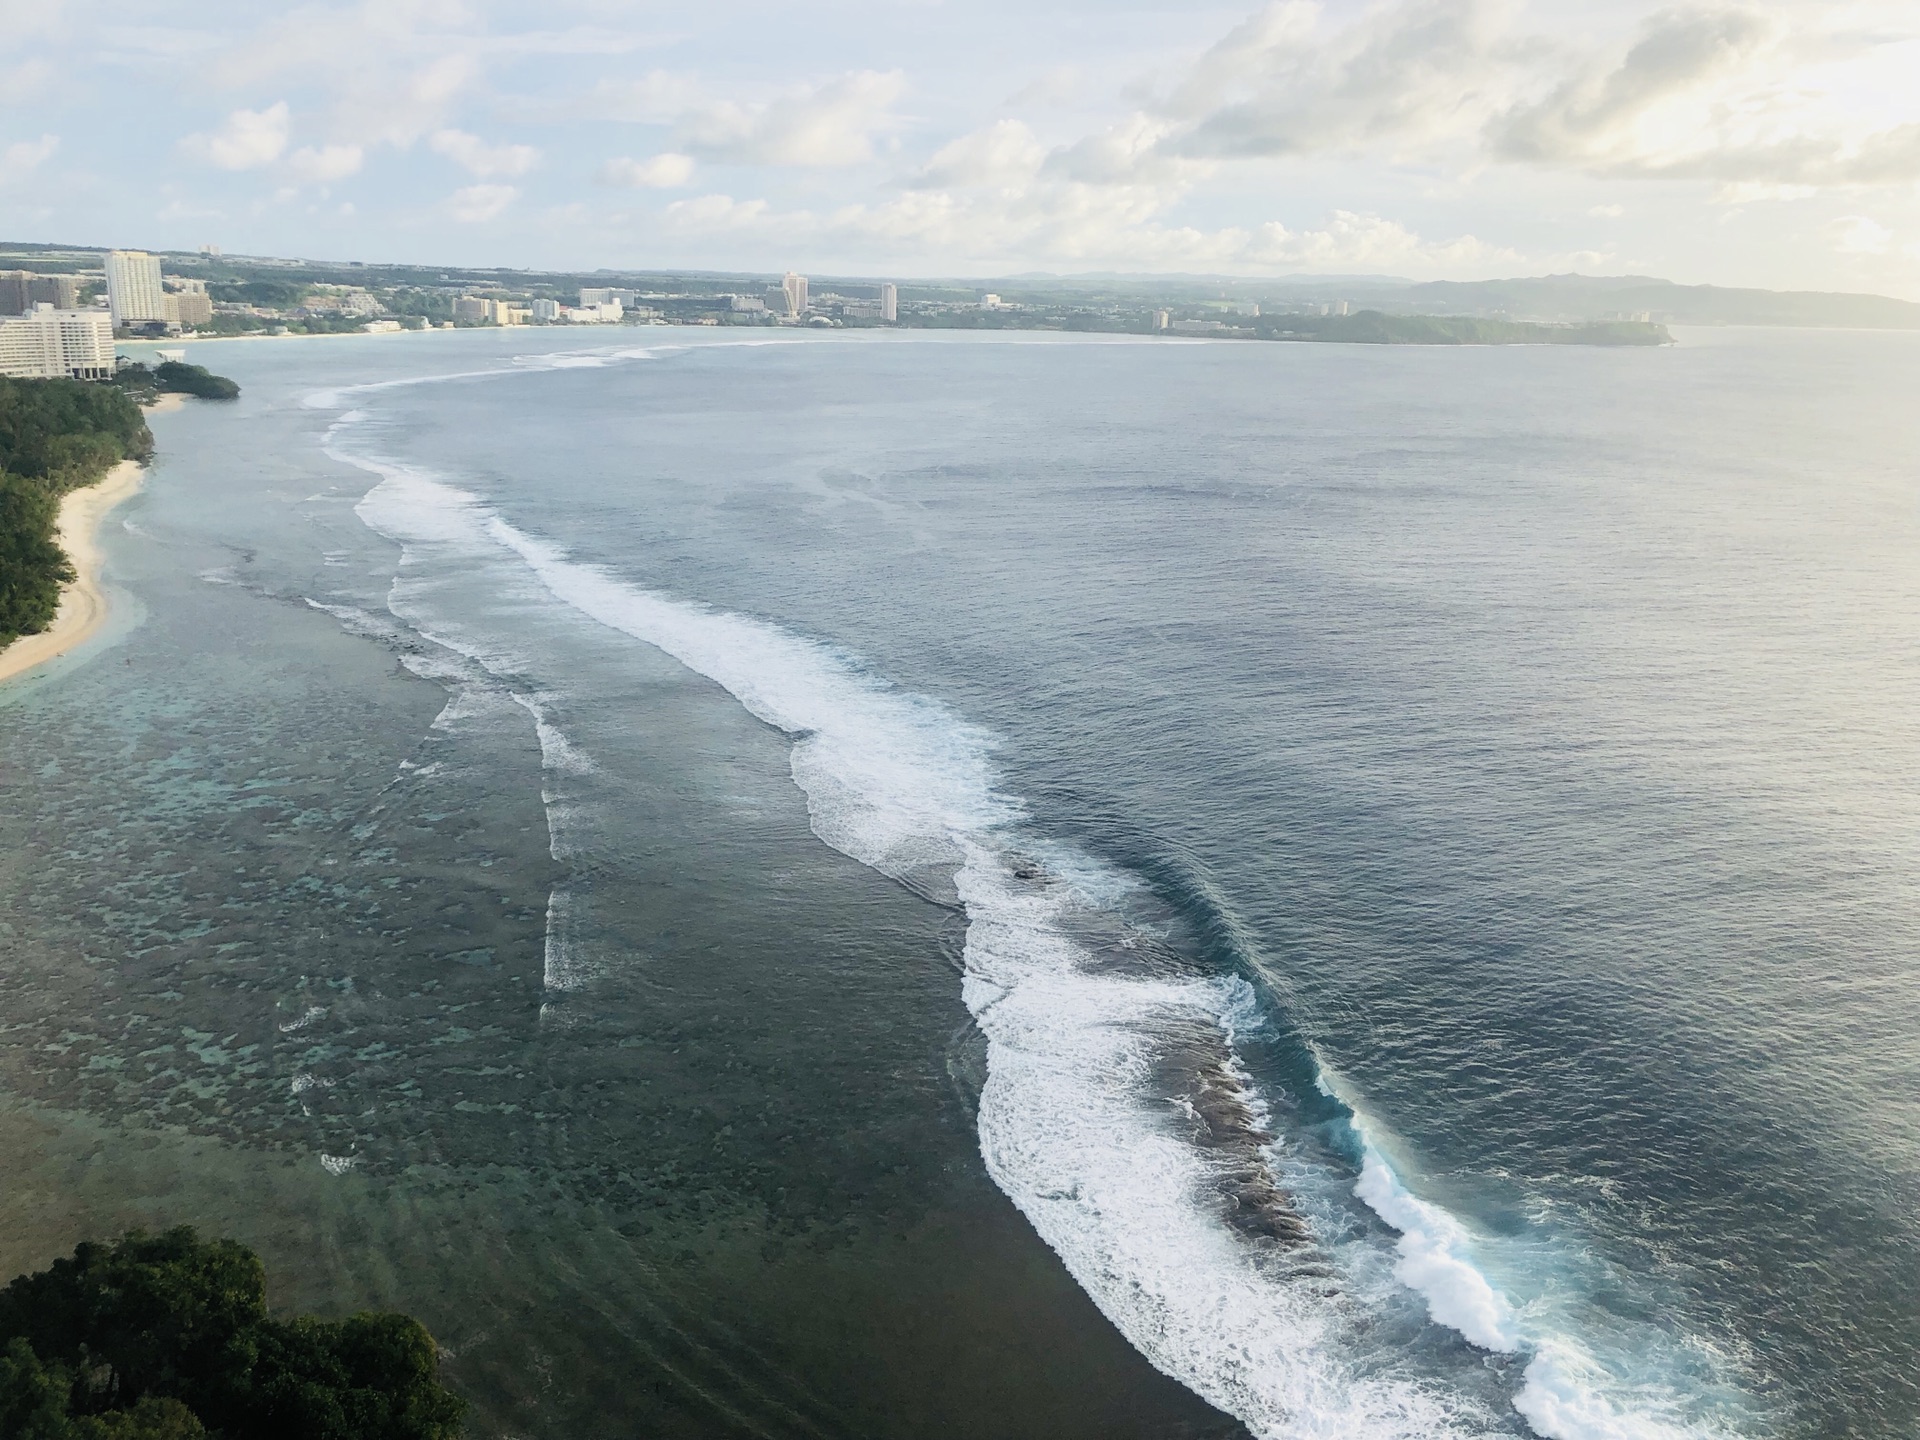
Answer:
x=55 y=436
x=271 y=294
x=174 y=377
x=32 y=566
x=167 y=1337
x=1374 y=327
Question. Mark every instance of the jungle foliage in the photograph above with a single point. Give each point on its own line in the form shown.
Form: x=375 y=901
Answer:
x=55 y=436
x=167 y=1337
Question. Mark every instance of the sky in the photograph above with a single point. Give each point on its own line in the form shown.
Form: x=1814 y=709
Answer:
x=1775 y=145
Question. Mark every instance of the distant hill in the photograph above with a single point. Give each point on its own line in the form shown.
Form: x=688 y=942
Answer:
x=1589 y=297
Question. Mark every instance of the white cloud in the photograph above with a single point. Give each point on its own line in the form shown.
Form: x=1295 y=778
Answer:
x=1717 y=94
x=1058 y=86
x=712 y=213
x=822 y=126
x=1723 y=92
x=478 y=203
x=1005 y=153
x=1749 y=192
x=322 y=165
x=1412 y=75
x=378 y=107
x=248 y=140
x=27 y=81
x=183 y=210
x=1123 y=153
x=657 y=98
x=1075 y=224
x=1607 y=212
x=23 y=157
x=482 y=159
x=665 y=171
x=1368 y=242
x=1859 y=235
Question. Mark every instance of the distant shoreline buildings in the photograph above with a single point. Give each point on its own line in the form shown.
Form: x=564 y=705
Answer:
x=791 y=301
x=49 y=343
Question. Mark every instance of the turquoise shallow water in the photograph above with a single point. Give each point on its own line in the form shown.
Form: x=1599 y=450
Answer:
x=908 y=884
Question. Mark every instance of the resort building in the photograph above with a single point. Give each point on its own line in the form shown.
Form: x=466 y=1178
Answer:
x=188 y=304
x=50 y=343
x=135 y=294
x=793 y=290
x=21 y=290
x=491 y=312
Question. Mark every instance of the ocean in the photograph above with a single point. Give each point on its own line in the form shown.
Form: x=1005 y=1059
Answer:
x=884 y=884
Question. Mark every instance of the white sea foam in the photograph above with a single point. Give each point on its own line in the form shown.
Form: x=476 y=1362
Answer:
x=307 y=1017
x=1436 y=1259
x=1567 y=1392
x=1068 y=1125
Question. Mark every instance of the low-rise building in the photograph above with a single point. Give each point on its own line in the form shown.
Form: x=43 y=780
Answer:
x=187 y=303
x=50 y=343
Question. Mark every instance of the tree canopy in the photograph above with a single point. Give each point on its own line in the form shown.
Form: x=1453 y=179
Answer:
x=167 y=1337
x=68 y=432
x=55 y=436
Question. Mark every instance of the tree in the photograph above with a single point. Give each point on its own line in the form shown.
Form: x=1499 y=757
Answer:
x=167 y=1337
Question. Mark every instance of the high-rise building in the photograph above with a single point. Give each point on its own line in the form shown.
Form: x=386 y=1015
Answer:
x=60 y=291
x=793 y=289
x=545 y=309
x=134 y=292
x=889 y=302
x=21 y=290
x=49 y=343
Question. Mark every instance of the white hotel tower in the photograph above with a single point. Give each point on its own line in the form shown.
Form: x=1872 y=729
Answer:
x=134 y=293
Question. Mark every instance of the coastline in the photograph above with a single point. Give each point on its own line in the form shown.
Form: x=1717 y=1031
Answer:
x=83 y=602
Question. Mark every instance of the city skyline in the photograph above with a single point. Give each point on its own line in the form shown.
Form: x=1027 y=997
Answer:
x=1771 y=145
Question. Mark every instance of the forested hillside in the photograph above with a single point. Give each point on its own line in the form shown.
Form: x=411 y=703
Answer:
x=55 y=436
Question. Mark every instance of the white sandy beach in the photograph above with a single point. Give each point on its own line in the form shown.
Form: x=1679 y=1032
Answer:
x=83 y=604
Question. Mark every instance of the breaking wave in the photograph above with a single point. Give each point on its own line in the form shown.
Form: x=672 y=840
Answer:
x=1118 y=1113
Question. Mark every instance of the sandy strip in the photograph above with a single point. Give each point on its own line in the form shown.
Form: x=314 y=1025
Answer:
x=83 y=604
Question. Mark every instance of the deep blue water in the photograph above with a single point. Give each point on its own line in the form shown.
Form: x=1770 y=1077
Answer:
x=1430 y=834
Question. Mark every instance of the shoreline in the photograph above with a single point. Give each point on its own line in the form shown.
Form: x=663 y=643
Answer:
x=83 y=601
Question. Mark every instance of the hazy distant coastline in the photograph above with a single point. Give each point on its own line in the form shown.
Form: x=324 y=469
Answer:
x=265 y=295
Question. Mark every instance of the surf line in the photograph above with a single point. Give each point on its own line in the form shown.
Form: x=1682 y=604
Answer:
x=899 y=783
